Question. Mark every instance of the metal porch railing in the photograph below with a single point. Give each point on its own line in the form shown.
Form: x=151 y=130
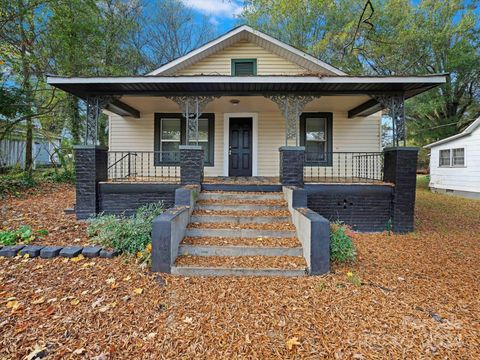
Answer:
x=144 y=166
x=343 y=167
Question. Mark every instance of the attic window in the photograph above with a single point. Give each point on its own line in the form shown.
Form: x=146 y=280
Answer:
x=244 y=67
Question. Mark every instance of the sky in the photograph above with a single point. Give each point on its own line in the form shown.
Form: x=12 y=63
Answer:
x=221 y=13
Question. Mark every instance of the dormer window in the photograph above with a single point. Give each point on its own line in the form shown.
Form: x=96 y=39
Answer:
x=244 y=67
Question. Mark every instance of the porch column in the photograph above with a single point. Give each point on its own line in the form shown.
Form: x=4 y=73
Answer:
x=400 y=168
x=292 y=159
x=91 y=161
x=191 y=164
x=395 y=105
x=192 y=108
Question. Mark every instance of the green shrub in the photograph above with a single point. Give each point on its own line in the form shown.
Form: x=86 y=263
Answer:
x=342 y=249
x=24 y=234
x=15 y=181
x=126 y=234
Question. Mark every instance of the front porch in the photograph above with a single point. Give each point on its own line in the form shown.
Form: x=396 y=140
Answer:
x=322 y=134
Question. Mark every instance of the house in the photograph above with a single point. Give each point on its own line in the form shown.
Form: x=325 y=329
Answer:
x=248 y=113
x=12 y=149
x=455 y=163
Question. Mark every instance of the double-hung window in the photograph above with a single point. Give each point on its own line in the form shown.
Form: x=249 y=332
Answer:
x=452 y=157
x=458 y=157
x=316 y=136
x=444 y=158
x=171 y=132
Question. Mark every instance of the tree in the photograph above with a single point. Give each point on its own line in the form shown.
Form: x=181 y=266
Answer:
x=391 y=37
x=173 y=30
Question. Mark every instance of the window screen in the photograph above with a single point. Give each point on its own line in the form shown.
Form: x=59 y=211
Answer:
x=458 y=157
x=444 y=158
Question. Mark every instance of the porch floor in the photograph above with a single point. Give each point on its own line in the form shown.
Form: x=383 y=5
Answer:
x=247 y=180
x=242 y=180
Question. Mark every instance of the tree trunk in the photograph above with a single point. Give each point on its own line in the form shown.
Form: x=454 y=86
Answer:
x=74 y=118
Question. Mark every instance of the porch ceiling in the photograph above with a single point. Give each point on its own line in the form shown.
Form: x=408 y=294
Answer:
x=247 y=104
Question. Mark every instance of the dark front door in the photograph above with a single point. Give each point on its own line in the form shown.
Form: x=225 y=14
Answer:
x=240 y=158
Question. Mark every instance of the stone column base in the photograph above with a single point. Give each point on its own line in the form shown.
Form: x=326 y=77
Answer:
x=400 y=168
x=191 y=164
x=292 y=159
x=91 y=163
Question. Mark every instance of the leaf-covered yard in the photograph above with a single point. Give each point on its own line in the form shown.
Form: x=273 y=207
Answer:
x=408 y=296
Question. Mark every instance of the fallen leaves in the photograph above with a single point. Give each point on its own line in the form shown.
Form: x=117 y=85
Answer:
x=292 y=343
x=429 y=311
x=138 y=291
x=38 y=301
x=13 y=304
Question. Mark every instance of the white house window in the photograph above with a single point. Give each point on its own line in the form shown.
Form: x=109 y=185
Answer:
x=444 y=158
x=458 y=157
x=316 y=136
x=170 y=131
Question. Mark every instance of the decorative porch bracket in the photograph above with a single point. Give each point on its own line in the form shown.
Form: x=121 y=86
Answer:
x=95 y=104
x=192 y=108
x=395 y=105
x=291 y=107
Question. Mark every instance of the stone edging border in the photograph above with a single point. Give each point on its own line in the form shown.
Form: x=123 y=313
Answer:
x=50 y=252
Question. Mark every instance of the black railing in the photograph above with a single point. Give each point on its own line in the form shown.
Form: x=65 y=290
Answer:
x=346 y=167
x=144 y=166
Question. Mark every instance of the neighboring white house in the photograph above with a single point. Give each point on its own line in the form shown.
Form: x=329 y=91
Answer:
x=455 y=163
x=12 y=150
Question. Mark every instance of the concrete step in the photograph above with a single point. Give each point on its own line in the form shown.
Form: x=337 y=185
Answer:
x=238 y=207
x=222 y=271
x=232 y=250
x=242 y=187
x=240 y=196
x=240 y=233
x=237 y=220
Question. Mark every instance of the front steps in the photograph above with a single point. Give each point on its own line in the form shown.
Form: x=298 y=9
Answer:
x=240 y=234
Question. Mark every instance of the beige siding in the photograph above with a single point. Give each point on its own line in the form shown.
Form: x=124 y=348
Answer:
x=358 y=135
x=220 y=63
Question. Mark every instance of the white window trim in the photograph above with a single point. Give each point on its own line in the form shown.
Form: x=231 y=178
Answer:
x=451 y=158
x=226 y=140
x=464 y=157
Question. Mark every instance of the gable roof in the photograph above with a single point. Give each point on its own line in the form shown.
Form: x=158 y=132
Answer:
x=470 y=129
x=245 y=32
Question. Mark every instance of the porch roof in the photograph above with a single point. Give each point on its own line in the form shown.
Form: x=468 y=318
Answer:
x=249 y=86
x=246 y=85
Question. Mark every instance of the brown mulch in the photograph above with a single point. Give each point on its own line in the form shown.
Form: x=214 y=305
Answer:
x=241 y=201
x=42 y=208
x=418 y=297
x=243 y=212
x=251 y=226
x=271 y=262
x=260 y=241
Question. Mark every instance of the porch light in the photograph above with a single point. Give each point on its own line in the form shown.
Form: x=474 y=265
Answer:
x=235 y=102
